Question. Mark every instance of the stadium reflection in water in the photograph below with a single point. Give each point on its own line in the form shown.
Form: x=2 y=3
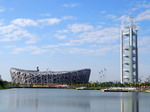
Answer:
x=130 y=102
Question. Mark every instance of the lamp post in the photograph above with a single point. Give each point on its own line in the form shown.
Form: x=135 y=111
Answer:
x=100 y=77
x=140 y=79
x=105 y=73
x=148 y=79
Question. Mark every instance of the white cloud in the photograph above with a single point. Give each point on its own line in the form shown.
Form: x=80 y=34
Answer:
x=46 y=49
x=143 y=16
x=65 y=48
x=51 y=46
x=142 y=6
x=7 y=29
x=31 y=38
x=69 y=18
x=46 y=14
x=100 y=50
x=31 y=49
x=67 y=44
x=76 y=28
x=28 y=48
x=134 y=9
x=63 y=31
x=73 y=42
x=111 y=16
x=24 y=22
x=144 y=41
x=52 y=49
x=9 y=33
x=15 y=33
x=1 y=22
x=71 y=5
x=123 y=18
x=29 y=22
x=144 y=45
x=50 y=21
x=99 y=26
x=60 y=36
x=106 y=35
x=103 y=12
x=85 y=33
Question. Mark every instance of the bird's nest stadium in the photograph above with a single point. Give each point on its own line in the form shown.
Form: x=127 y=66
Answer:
x=35 y=76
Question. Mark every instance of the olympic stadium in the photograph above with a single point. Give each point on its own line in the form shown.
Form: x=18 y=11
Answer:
x=35 y=76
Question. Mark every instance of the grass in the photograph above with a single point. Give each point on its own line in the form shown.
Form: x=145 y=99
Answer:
x=3 y=87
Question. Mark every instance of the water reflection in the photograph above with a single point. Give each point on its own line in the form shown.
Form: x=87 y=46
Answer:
x=39 y=101
x=130 y=102
x=58 y=100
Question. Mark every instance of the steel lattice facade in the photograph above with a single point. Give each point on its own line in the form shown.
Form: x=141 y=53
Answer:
x=33 y=76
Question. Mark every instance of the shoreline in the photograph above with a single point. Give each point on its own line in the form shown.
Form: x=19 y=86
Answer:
x=100 y=89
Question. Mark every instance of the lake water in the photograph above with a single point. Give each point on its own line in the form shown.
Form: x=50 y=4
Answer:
x=68 y=100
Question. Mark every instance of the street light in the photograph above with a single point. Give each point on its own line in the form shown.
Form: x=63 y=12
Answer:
x=140 y=79
x=148 y=79
x=100 y=76
x=105 y=73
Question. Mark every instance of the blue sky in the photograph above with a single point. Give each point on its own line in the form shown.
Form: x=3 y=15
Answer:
x=70 y=34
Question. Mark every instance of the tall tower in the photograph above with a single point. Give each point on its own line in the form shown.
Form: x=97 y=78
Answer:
x=129 y=52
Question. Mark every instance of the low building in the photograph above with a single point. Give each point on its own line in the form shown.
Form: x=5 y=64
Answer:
x=35 y=76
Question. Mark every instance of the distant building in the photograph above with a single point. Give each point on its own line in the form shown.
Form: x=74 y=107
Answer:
x=0 y=77
x=36 y=76
x=129 y=52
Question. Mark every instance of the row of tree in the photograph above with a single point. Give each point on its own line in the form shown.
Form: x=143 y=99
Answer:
x=112 y=84
x=5 y=84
